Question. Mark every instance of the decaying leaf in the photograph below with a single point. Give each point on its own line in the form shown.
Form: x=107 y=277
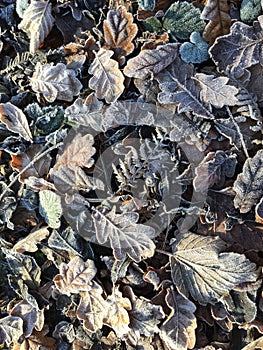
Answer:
x=75 y=276
x=119 y=31
x=29 y=243
x=178 y=330
x=107 y=80
x=50 y=208
x=240 y=49
x=201 y=269
x=125 y=235
x=213 y=169
x=151 y=62
x=196 y=51
x=249 y=184
x=218 y=14
x=37 y=22
x=55 y=82
x=15 y=120
x=216 y=91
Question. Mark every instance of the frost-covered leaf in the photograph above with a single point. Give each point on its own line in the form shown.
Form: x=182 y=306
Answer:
x=50 y=208
x=178 y=330
x=15 y=120
x=213 y=170
x=8 y=205
x=119 y=31
x=125 y=235
x=107 y=80
x=250 y=10
x=240 y=49
x=38 y=340
x=259 y=211
x=178 y=86
x=55 y=82
x=11 y=329
x=29 y=243
x=255 y=83
x=21 y=6
x=218 y=14
x=147 y=5
x=92 y=308
x=181 y=19
x=199 y=268
x=37 y=22
x=249 y=184
x=256 y=344
x=75 y=276
x=196 y=51
x=151 y=62
x=28 y=313
x=216 y=91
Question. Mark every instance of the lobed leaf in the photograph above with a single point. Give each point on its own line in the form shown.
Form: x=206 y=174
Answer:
x=196 y=51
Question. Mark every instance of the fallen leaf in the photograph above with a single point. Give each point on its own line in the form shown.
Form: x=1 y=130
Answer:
x=259 y=211
x=196 y=51
x=11 y=329
x=50 y=208
x=29 y=243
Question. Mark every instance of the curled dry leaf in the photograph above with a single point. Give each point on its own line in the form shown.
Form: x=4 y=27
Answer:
x=119 y=31
x=216 y=91
x=199 y=268
x=178 y=330
x=249 y=184
x=29 y=243
x=107 y=79
x=125 y=235
x=37 y=22
x=217 y=12
x=15 y=120
x=213 y=169
x=55 y=82
x=151 y=62
x=75 y=276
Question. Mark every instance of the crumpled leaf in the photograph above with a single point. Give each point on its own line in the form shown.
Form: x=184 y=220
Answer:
x=218 y=14
x=125 y=235
x=178 y=330
x=55 y=82
x=196 y=51
x=119 y=31
x=250 y=10
x=38 y=340
x=107 y=80
x=181 y=19
x=151 y=62
x=249 y=184
x=199 y=268
x=29 y=243
x=92 y=308
x=11 y=329
x=75 y=276
x=28 y=313
x=15 y=120
x=50 y=208
x=147 y=5
x=216 y=91
x=213 y=169
x=37 y=22
x=178 y=86
x=240 y=49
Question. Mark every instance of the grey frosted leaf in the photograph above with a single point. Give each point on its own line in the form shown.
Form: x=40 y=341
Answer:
x=178 y=86
x=256 y=82
x=196 y=51
x=50 y=208
x=29 y=243
x=213 y=170
x=107 y=80
x=151 y=62
x=75 y=276
x=28 y=313
x=11 y=329
x=8 y=205
x=147 y=5
x=240 y=49
x=199 y=268
x=249 y=184
x=181 y=19
x=216 y=91
x=37 y=22
x=250 y=10
x=15 y=120
x=241 y=306
x=21 y=6
x=55 y=82
x=125 y=235
x=178 y=330
x=65 y=240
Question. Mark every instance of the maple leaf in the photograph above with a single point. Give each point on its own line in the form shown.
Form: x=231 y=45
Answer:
x=107 y=79
x=218 y=14
x=37 y=22
x=249 y=184
x=55 y=82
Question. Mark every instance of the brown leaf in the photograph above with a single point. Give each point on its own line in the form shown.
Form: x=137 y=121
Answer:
x=29 y=243
x=37 y=341
x=15 y=120
x=119 y=31
x=75 y=276
x=217 y=12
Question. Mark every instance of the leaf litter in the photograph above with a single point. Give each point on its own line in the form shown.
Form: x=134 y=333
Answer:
x=131 y=167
